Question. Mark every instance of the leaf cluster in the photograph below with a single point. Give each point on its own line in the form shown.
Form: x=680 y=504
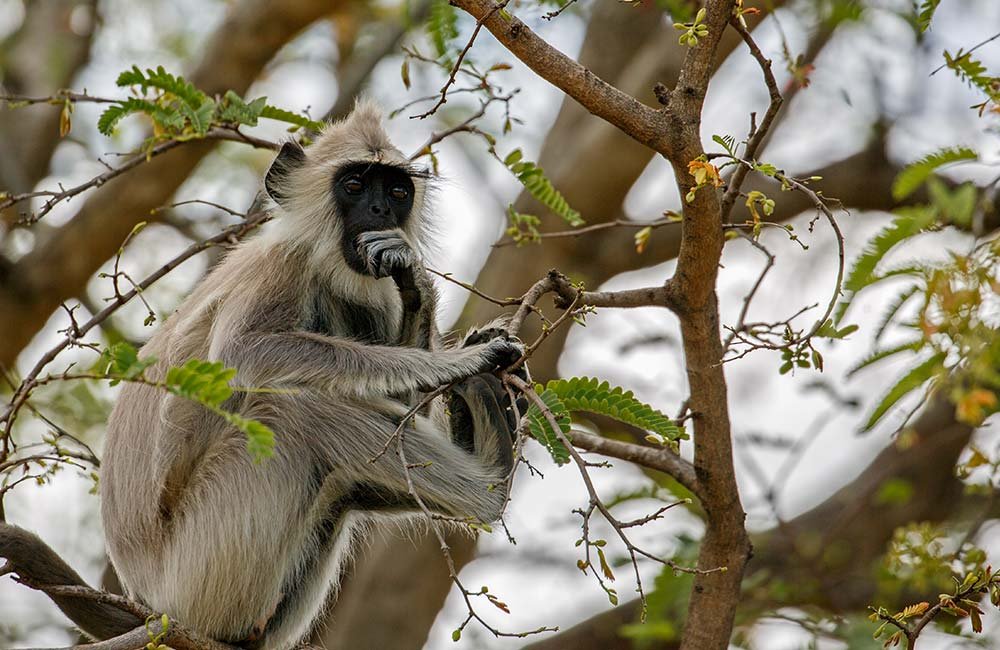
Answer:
x=181 y=111
x=204 y=382
x=442 y=29
x=587 y=394
x=974 y=73
x=533 y=178
x=953 y=331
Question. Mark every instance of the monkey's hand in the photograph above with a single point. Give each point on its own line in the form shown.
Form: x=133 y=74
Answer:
x=492 y=333
x=387 y=254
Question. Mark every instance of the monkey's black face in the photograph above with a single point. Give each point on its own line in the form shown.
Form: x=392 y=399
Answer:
x=370 y=197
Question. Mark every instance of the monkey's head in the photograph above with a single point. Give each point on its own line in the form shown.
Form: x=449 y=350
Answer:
x=350 y=181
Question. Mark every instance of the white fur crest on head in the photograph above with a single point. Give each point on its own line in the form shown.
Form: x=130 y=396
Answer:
x=358 y=137
x=310 y=218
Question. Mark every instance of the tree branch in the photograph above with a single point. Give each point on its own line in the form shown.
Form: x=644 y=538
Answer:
x=637 y=120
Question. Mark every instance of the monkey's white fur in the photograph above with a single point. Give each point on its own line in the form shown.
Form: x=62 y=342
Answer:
x=242 y=551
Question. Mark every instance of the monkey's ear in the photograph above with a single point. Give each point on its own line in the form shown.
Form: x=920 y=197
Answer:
x=289 y=158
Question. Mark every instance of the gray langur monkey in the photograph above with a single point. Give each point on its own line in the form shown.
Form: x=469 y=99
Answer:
x=334 y=305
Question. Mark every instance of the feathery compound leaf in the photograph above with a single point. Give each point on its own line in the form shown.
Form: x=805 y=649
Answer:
x=542 y=431
x=442 y=26
x=916 y=174
x=162 y=80
x=973 y=72
x=200 y=118
x=595 y=396
x=280 y=114
x=926 y=14
x=911 y=381
x=890 y=313
x=121 y=361
x=727 y=142
x=232 y=108
x=909 y=222
x=168 y=119
x=205 y=382
x=878 y=355
x=533 y=178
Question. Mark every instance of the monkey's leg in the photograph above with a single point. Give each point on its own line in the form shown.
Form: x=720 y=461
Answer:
x=482 y=421
x=351 y=437
x=335 y=444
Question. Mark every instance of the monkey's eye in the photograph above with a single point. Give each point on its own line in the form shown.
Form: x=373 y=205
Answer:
x=353 y=185
x=399 y=192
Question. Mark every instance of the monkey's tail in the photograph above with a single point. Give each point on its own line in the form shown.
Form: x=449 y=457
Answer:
x=33 y=560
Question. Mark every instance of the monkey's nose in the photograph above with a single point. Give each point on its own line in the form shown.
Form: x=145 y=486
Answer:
x=377 y=209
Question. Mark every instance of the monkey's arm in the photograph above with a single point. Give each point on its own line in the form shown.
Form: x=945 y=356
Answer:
x=34 y=561
x=418 y=329
x=353 y=368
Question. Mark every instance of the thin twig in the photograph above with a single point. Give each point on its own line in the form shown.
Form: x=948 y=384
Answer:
x=758 y=135
x=597 y=227
x=64 y=194
x=965 y=54
x=458 y=62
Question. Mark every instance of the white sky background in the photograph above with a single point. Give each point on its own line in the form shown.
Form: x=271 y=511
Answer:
x=862 y=68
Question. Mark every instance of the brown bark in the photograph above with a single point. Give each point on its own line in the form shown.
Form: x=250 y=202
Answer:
x=715 y=593
x=60 y=267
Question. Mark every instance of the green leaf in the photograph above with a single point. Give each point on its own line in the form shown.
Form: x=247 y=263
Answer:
x=916 y=174
x=927 y=9
x=909 y=222
x=167 y=118
x=442 y=26
x=594 y=396
x=122 y=362
x=205 y=382
x=542 y=431
x=199 y=118
x=533 y=178
x=260 y=438
x=974 y=73
x=890 y=314
x=727 y=142
x=830 y=331
x=232 y=108
x=164 y=81
x=954 y=206
x=280 y=114
x=911 y=381
x=878 y=355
